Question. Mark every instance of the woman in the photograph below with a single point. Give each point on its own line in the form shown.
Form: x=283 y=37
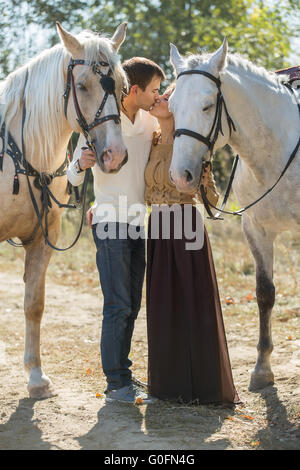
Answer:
x=188 y=356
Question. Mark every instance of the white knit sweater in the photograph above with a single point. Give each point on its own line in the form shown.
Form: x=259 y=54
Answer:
x=120 y=197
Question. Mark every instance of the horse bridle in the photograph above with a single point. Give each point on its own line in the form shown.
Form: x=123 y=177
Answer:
x=212 y=137
x=217 y=125
x=108 y=84
x=43 y=180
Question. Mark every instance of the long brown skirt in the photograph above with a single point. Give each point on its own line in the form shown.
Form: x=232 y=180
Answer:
x=188 y=354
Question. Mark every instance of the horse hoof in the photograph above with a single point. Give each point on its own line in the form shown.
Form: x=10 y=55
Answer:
x=259 y=381
x=45 y=390
x=39 y=385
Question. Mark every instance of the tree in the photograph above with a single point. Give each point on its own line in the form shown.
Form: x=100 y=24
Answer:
x=254 y=28
x=258 y=29
x=27 y=27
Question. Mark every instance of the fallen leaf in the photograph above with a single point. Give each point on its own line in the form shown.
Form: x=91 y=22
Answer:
x=255 y=443
x=229 y=300
x=249 y=297
x=88 y=371
x=231 y=418
x=139 y=401
x=289 y=338
x=247 y=417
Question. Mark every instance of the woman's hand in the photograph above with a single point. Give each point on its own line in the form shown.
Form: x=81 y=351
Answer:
x=87 y=158
x=89 y=216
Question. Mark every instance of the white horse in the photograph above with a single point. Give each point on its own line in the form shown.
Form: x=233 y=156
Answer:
x=46 y=128
x=266 y=119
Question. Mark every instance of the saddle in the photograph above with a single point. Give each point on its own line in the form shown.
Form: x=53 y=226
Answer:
x=294 y=75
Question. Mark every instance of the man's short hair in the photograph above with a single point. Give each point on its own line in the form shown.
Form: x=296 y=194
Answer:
x=140 y=71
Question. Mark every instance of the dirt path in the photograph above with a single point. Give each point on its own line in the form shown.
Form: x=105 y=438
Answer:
x=79 y=419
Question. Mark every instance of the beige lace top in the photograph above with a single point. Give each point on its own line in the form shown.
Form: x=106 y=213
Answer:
x=160 y=190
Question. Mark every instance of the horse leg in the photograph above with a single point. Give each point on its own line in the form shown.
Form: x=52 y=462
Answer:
x=37 y=258
x=261 y=245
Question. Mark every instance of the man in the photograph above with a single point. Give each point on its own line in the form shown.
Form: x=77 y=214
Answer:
x=118 y=233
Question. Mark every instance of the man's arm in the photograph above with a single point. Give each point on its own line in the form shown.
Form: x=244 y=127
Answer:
x=83 y=158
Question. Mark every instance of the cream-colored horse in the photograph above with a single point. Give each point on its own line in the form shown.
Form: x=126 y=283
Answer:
x=40 y=84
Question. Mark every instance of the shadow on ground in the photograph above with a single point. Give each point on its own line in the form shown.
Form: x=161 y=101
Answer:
x=280 y=433
x=21 y=431
x=159 y=426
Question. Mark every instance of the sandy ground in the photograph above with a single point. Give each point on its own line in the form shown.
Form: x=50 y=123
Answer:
x=78 y=418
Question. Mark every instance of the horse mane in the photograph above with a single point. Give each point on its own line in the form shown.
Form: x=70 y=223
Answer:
x=44 y=93
x=238 y=61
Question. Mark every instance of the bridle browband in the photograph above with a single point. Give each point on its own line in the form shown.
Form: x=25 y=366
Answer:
x=108 y=85
x=217 y=125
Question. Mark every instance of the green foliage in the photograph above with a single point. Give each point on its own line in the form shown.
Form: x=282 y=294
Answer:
x=222 y=164
x=27 y=27
x=255 y=28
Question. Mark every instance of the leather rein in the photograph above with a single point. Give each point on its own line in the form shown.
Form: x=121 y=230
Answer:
x=210 y=141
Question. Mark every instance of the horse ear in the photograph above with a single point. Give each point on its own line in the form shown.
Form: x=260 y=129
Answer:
x=119 y=36
x=175 y=58
x=218 y=59
x=70 y=42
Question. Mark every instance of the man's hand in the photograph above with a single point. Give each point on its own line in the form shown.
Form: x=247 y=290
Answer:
x=89 y=217
x=205 y=175
x=87 y=158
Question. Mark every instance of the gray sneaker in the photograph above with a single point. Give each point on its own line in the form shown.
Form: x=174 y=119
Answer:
x=139 y=383
x=130 y=394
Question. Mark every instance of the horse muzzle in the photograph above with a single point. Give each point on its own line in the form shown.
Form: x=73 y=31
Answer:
x=184 y=180
x=111 y=160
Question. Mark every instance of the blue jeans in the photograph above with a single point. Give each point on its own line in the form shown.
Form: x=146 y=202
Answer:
x=121 y=266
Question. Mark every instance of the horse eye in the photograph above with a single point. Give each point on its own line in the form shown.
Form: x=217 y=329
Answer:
x=81 y=87
x=206 y=108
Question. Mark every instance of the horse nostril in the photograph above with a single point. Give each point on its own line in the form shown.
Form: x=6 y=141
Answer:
x=189 y=176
